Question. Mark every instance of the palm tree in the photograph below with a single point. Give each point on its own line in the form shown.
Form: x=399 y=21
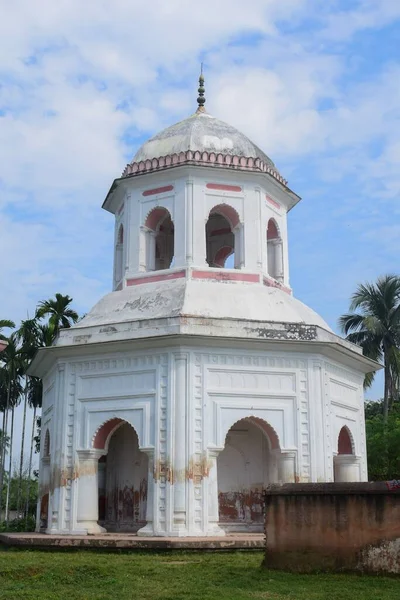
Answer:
x=5 y=323
x=59 y=312
x=45 y=337
x=28 y=334
x=374 y=324
x=11 y=372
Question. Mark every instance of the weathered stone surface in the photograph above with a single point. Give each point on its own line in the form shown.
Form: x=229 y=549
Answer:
x=329 y=526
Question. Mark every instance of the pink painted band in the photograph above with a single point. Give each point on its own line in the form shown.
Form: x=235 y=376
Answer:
x=272 y=283
x=273 y=202
x=223 y=187
x=223 y=276
x=160 y=190
x=155 y=278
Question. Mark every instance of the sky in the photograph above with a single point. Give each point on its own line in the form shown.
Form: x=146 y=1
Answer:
x=83 y=84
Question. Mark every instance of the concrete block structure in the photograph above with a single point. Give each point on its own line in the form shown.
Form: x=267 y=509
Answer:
x=200 y=378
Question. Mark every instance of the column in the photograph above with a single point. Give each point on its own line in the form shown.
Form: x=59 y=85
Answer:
x=88 y=500
x=151 y=251
x=346 y=468
x=189 y=223
x=180 y=445
x=44 y=490
x=287 y=466
x=213 y=527
x=143 y=242
x=278 y=260
x=148 y=529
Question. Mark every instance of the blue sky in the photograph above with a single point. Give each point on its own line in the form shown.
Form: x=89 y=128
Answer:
x=315 y=84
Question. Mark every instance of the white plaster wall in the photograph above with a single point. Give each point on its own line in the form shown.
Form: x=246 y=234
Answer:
x=190 y=203
x=182 y=401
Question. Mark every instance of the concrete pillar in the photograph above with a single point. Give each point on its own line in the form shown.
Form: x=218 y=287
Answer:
x=213 y=527
x=148 y=529
x=346 y=468
x=143 y=249
x=279 y=260
x=151 y=251
x=287 y=466
x=88 y=501
x=189 y=223
x=44 y=489
x=180 y=446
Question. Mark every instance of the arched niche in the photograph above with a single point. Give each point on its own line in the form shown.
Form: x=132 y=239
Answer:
x=345 y=441
x=246 y=465
x=158 y=239
x=346 y=464
x=122 y=477
x=274 y=251
x=224 y=237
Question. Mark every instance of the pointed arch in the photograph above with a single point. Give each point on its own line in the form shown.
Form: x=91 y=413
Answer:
x=223 y=236
x=104 y=432
x=245 y=466
x=159 y=239
x=345 y=441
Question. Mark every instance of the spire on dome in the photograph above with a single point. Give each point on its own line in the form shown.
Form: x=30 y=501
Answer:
x=201 y=99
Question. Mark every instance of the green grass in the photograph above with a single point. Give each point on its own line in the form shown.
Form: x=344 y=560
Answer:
x=87 y=575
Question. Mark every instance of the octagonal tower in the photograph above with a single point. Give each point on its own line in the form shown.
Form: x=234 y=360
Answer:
x=200 y=379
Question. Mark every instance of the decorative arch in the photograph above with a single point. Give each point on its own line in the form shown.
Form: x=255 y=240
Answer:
x=223 y=236
x=159 y=239
x=228 y=212
x=345 y=441
x=104 y=432
x=274 y=251
x=222 y=255
x=245 y=466
x=122 y=476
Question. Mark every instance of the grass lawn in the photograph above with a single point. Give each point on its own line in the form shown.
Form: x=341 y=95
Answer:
x=87 y=575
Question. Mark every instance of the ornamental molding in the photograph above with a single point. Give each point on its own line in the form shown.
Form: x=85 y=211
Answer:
x=241 y=163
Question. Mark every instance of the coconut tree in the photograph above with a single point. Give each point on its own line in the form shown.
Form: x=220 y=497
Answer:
x=374 y=323
x=58 y=311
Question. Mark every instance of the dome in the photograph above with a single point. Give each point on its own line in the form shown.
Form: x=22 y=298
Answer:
x=201 y=132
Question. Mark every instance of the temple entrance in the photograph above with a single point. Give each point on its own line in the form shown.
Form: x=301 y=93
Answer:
x=123 y=482
x=244 y=468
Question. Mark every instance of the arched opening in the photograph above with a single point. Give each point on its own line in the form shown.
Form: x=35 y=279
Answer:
x=122 y=478
x=223 y=238
x=345 y=444
x=346 y=466
x=119 y=253
x=244 y=468
x=159 y=239
x=274 y=251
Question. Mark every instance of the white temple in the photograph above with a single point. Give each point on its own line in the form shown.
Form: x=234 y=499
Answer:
x=200 y=379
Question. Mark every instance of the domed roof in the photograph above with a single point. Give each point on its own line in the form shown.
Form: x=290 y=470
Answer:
x=203 y=133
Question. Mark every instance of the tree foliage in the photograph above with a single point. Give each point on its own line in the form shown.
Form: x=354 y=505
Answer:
x=383 y=442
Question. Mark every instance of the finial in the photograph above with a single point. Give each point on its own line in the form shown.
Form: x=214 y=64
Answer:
x=201 y=100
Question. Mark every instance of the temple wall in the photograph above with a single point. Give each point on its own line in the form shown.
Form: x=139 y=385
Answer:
x=182 y=402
